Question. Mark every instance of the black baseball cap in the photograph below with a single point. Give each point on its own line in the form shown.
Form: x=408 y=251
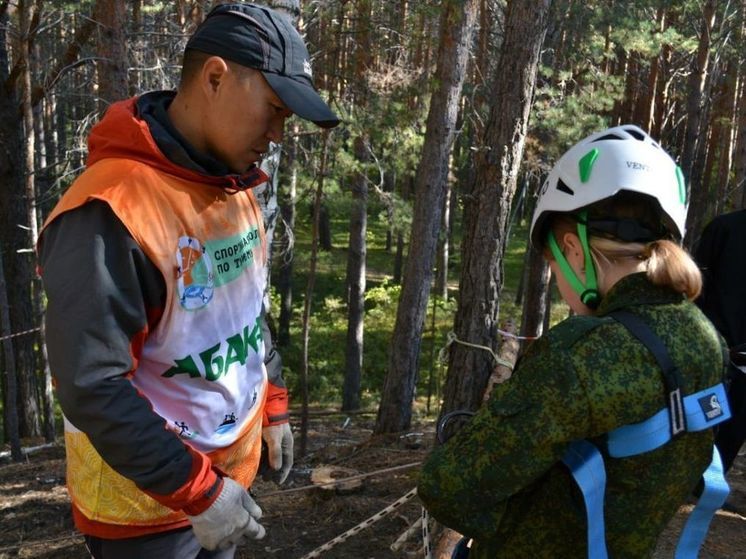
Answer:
x=260 y=38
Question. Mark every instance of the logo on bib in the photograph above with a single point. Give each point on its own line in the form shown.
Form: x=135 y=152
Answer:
x=184 y=431
x=195 y=280
x=229 y=423
x=710 y=406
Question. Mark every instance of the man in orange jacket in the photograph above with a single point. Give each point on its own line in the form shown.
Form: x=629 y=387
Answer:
x=153 y=263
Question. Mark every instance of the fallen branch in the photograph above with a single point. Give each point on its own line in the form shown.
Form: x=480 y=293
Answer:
x=28 y=450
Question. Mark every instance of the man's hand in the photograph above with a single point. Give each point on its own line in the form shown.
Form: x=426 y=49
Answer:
x=231 y=518
x=279 y=440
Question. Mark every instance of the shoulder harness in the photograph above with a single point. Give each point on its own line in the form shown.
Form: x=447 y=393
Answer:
x=695 y=412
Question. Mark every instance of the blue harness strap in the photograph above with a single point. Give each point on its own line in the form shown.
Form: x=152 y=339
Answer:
x=703 y=410
x=692 y=413
x=587 y=467
x=713 y=496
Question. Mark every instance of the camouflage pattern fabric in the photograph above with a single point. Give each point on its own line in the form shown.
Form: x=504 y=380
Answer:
x=500 y=481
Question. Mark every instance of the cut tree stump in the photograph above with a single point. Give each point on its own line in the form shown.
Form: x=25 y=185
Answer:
x=325 y=477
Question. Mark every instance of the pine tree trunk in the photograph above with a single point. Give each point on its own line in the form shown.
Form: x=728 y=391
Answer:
x=696 y=192
x=661 y=92
x=485 y=212
x=456 y=25
x=285 y=272
x=739 y=157
x=534 y=308
x=523 y=280
x=646 y=106
x=727 y=149
x=357 y=249
x=111 y=48
x=10 y=389
x=356 y=256
x=29 y=305
x=444 y=240
x=324 y=149
x=396 y=278
x=37 y=186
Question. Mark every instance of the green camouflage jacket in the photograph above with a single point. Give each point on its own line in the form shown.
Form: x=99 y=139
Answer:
x=500 y=481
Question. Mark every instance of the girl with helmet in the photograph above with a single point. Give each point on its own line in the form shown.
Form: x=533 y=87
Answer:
x=603 y=430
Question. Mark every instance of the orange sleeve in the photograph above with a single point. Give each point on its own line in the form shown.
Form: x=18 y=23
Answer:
x=276 y=406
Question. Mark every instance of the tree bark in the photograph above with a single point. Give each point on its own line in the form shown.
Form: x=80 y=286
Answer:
x=309 y=289
x=456 y=26
x=739 y=157
x=534 y=308
x=10 y=389
x=646 y=106
x=111 y=48
x=33 y=187
x=696 y=193
x=486 y=211
x=398 y=259
x=356 y=265
x=285 y=272
x=661 y=92
x=444 y=241
x=23 y=220
x=357 y=247
x=730 y=130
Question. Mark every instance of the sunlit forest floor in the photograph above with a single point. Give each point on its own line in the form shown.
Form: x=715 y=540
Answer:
x=35 y=519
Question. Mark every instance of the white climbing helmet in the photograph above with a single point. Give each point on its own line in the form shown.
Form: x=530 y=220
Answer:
x=603 y=164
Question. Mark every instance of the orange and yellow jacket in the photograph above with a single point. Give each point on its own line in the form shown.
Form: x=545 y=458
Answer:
x=154 y=274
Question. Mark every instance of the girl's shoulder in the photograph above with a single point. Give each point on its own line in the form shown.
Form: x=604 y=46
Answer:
x=574 y=329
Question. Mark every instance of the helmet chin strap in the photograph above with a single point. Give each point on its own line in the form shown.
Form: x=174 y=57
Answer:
x=588 y=292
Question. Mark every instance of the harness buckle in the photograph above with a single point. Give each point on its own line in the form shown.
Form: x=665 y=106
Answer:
x=676 y=412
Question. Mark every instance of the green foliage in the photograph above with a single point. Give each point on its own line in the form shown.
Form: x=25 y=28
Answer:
x=328 y=326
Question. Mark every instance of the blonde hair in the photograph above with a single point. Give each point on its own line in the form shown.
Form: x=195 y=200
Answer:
x=665 y=263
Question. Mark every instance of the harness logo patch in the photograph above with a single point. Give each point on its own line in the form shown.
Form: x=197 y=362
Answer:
x=195 y=281
x=710 y=406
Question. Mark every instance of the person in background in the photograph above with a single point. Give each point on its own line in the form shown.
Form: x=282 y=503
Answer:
x=152 y=264
x=610 y=219
x=720 y=255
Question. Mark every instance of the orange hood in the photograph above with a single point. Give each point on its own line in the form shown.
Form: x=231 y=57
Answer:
x=121 y=134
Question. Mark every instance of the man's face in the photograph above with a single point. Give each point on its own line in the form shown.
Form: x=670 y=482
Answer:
x=242 y=117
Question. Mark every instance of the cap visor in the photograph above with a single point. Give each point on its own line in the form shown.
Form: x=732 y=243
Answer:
x=302 y=100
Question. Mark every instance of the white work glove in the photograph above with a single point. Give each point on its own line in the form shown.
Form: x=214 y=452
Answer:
x=279 y=439
x=231 y=518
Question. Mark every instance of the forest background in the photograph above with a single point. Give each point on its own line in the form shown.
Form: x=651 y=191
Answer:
x=404 y=230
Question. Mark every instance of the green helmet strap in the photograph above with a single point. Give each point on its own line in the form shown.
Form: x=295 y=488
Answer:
x=588 y=293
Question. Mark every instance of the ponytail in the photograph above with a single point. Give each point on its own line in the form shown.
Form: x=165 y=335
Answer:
x=669 y=265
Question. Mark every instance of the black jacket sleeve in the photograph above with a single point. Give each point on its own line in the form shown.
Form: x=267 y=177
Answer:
x=102 y=292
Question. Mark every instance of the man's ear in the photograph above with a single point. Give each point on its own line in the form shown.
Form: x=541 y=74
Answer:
x=213 y=75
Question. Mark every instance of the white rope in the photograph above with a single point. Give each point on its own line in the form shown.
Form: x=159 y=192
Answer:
x=362 y=526
x=452 y=338
x=515 y=336
x=426 y=545
x=9 y=336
